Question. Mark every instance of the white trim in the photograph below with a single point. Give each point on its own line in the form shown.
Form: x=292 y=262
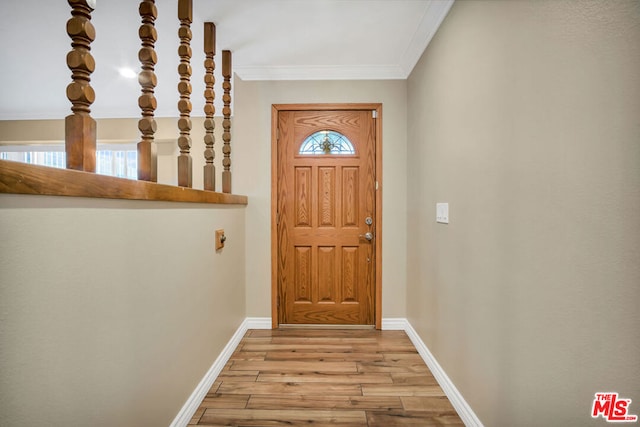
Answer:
x=394 y=324
x=328 y=72
x=465 y=412
x=431 y=20
x=258 y=322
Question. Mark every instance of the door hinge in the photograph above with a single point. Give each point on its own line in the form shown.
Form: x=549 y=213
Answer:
x=376 y=185
x=374 y=114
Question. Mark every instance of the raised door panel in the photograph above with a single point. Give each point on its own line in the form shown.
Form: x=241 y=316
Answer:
x=303 y=272
x=327 y=279
x=302 y=197
x=350 y=190
x=326 y=196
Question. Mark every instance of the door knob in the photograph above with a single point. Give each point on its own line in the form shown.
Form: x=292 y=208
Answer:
x=368 y=236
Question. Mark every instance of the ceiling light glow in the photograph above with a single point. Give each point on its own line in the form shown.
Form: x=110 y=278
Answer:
x=127 y=73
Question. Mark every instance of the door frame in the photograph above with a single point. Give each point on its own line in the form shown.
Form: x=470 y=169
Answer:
x=275 y=111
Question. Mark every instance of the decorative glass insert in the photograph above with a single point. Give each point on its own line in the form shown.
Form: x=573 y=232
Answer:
x=327 y=142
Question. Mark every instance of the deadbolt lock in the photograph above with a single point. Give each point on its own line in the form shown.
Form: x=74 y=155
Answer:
x=368 y=220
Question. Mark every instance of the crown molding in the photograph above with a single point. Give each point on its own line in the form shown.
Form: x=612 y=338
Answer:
x=431 y=20
x=329 y=72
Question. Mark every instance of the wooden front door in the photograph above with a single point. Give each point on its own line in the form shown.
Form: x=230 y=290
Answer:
x=326 y=225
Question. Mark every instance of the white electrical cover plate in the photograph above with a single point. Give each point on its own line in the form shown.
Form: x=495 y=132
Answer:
x=442 y=213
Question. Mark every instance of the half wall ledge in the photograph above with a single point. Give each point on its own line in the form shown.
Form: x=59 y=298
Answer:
x=22 y=178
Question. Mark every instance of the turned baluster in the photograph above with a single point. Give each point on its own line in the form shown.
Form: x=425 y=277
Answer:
x=80 y=128
x=185 y=14
x=226 y=123
x=147 y=150
x=209 y=109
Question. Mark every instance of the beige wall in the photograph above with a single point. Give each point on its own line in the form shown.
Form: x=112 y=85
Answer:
x=524 y=116
x=252 y=175
x=112 y=311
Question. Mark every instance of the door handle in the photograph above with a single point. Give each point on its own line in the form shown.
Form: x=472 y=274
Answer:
x=367 y=236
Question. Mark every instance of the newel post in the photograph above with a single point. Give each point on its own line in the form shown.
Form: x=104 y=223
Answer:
x=80 y=127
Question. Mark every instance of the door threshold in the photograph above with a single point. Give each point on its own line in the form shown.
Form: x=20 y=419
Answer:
x=322 y=326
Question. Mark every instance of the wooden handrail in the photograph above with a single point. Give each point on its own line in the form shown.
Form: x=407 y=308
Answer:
x=23 y=178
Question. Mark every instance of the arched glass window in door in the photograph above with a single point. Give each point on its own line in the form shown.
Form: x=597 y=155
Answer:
x=327 y=142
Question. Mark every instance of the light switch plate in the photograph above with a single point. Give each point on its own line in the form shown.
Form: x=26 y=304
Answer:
x=220 y=238
x=442 y=213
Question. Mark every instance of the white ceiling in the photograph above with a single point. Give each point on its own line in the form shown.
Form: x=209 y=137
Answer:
x=270 y=40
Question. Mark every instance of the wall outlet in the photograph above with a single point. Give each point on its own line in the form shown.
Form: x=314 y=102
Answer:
x=442 y=213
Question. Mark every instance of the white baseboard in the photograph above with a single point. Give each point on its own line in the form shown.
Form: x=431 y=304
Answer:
x=192 y=403
x=258 y=322
x=392 y=324
x=465 y=412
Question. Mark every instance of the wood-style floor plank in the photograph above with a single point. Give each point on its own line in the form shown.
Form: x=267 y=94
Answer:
x=438 y=405
x=301 y=348
x=413 y=378
x=321 y=357
x=228 y=376
x=325 y=340
x=390 y=367
x=310 y=333
x=325 y=377
x=405 y=418
x=292 y=388
x=325 y=402
x=248 y=356
x=271 y=417
x=295 y=366
x=399 y=390
x=332 y=377
x=407 y=357
x=196 y=416
x=225 y=401
x=404 y=347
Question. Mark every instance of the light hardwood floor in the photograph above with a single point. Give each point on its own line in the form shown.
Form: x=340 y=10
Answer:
x=316 y=377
